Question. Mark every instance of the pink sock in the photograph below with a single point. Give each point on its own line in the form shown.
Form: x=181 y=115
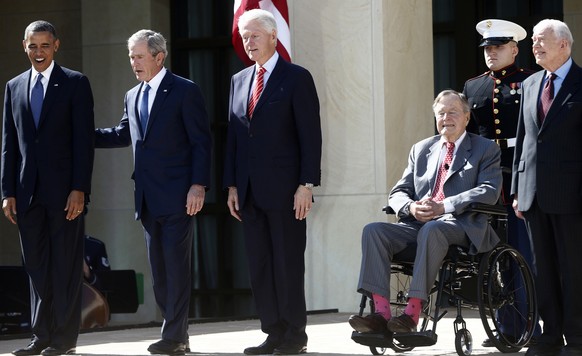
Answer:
x=382 y=306
x=413 y=308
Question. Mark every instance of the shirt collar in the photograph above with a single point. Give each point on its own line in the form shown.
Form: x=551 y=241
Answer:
x=457 y=142
x=46 y=74
x=270 y=64
x=563 y=70
x=155 y=82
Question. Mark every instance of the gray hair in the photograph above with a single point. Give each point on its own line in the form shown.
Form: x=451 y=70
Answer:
x=40 y=26
x=447 y=92
x=265 y=19
x=156 y=42
x=560 y=29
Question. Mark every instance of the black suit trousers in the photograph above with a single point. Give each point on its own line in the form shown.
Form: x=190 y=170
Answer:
x=275 y=243
x=52 y=248
x=169 y=245
x=557 y=242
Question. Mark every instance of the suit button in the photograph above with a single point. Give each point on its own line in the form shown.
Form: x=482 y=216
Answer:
x=540 y=140
x=36 y=140
x=251 y=135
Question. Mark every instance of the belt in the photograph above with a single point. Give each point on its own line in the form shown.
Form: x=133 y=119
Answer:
x=505 y=142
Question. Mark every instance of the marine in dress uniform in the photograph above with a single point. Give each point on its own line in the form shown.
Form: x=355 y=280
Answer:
x=495 y=97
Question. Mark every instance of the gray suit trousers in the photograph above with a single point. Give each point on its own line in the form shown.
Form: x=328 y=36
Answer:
x=381 y=241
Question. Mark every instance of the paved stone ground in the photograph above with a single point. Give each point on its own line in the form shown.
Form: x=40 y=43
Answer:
x=329 y=334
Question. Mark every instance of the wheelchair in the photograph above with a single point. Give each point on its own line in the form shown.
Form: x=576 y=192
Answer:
x=499 y=284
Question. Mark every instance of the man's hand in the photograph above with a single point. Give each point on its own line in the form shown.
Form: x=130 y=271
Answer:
x=75 y=204
x=426 y=209
x=515 y=207
x=302 y=202
x=195 y=199
x=232 y=203
x=9 y=209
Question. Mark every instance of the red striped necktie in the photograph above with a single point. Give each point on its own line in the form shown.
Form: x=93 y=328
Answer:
x=258 y=89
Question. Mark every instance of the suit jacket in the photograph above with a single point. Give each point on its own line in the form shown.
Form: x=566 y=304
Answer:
x=474 y=177
x=280 y=147
x=548 y=159
x=57 y=157
x=175 y=150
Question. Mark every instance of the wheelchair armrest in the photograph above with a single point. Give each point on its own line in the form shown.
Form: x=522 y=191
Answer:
x=498 y=210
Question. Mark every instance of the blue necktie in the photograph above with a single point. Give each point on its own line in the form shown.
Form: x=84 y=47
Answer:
x=36 y=99
x=143 y=108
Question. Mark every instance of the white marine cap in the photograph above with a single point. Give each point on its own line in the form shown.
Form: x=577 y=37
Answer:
x=497 y=32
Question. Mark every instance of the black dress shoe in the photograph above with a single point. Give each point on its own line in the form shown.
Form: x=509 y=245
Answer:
x=290 y=349
x=544 y=349
x=55 y=351
x=34 y=348
x=266 y=348
x=402 y=324
x=167 y=347
x=373 y=323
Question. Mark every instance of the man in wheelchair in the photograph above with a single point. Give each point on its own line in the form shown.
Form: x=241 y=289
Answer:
x=446 y=173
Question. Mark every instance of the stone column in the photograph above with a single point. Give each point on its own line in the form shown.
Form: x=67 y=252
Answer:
x=372 y=65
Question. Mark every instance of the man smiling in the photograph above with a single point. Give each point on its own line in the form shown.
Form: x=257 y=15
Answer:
x=47 y=161
x=445 y=175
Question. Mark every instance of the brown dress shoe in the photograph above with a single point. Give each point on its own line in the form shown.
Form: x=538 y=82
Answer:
x=373 y=323
x=402 y=324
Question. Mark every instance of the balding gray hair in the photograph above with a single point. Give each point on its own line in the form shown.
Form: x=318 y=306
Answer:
x=156 y=42
x=560 y=29
x=447 y=92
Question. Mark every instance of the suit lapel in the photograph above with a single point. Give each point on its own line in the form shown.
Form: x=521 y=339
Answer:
x=461 y=157
x=533 y=92
x=570 y=85
x=24 y=84
x=133 y=107
x=161 y=95
x=246 y=82
x=53 y=90
x=274 y=79
x=432 y=161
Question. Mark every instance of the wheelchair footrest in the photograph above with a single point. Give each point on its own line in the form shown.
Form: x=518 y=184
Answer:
x=423 y=338
x=374 y=340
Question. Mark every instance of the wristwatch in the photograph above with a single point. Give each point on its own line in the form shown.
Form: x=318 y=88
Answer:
x=308 y=185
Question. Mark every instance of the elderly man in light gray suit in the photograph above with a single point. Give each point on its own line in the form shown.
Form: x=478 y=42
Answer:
x=445 y=174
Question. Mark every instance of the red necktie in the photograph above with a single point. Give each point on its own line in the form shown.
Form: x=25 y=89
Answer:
x=546 y=98
x=259 y=83
x=438 y=194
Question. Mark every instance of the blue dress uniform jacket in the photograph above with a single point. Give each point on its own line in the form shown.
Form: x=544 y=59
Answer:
x=495 y=97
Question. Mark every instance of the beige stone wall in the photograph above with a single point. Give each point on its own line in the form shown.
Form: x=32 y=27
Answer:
x=372 y=64
x=573 y=17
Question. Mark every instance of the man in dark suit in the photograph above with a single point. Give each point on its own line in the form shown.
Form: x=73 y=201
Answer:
x=547 y=185
x=445 y=175
x=166 y=123
x=47 y=161
x=495 y=97
x=272 y=162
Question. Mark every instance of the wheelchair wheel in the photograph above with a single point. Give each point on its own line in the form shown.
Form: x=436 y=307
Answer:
x=400 y=278
x=506 y=297
x=377 y=350
x=463 y=342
